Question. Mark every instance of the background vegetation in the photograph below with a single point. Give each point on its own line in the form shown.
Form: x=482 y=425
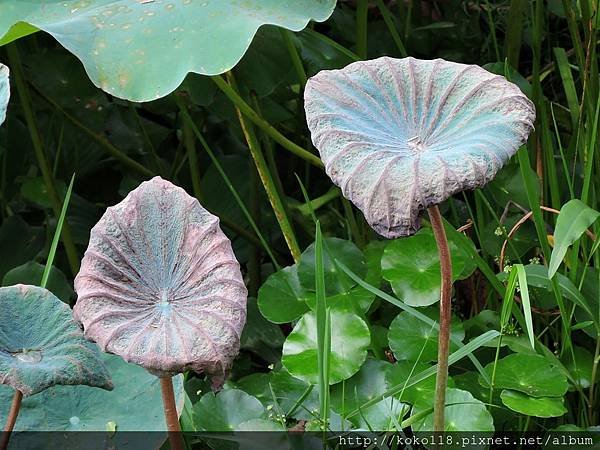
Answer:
x=60 y=124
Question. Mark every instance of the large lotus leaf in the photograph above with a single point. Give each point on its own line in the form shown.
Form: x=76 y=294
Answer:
x=41 y=345
x=160 y=286
x=4 y=91
x=133 y=405
x=142 y=50
x=400 y=135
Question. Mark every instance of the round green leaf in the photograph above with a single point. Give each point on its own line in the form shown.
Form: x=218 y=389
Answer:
x=582 y=367
x=336 y=281
x=366 y=384
x=135 y=404
x=412 y=266
x=42 y=346
x=533 y=375
x=463 y=413
x=532 y=406
x=31 y=273
x=350 y=339
x=142 y=50
x=401 y=372
x=281 y=299
x=226 y=410
x=412 y=339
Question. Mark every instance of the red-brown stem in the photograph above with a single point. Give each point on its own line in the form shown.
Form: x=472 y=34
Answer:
x=12 y=418
x=441 y=381
x=168 y=397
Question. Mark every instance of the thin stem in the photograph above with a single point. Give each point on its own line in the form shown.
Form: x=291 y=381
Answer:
x=173 y=427
x=247 y=110
x=362 y=12
x=268 y=182
x=441 y=382
x=40 y=154
x=12 y=418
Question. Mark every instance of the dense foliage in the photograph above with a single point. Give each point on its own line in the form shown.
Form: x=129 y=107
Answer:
x=525 y=349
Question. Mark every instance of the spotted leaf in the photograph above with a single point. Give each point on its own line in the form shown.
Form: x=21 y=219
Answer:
x=141 y=50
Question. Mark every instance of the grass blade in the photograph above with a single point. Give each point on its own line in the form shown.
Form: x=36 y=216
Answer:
x=525 y=301
x=57 y=232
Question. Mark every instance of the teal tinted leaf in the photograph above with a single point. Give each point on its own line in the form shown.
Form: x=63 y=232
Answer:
x=533 y=375
x=83 y=408
x=463 y=412
x=4 y=91
x=414 y=340
x=532 y=406
x=42 y=346
x=226 y=410
x=142 y=50
x=336 y=281
x=32 y=272
x=350 y=339
x=400 y=135
x=514 y=76
x=575 y=217
x=281 y=299
x=412 y=266
x=159 y=284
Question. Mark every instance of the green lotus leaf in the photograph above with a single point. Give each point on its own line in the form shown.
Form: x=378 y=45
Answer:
x=42 y=346
x=411 y=339
x=533 y=375
x=463 y=413
x=412 y=266
x=4 y=91
x=133 y=405
x=350 y=339
x=142 y=50
x=402 y=371
x=532 y=406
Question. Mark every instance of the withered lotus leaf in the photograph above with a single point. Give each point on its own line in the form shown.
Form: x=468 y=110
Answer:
x=42 y=346
x=160 y=286
x=4 y=91
x=401 y=135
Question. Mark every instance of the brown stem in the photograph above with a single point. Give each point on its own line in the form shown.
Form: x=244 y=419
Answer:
x=441 y=381
x=12 y=418
x=168 y=397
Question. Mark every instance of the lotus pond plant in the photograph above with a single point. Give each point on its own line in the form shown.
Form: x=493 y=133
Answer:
x=42 y=346
x=400 y=136
x=160 y=286
x=4 y=91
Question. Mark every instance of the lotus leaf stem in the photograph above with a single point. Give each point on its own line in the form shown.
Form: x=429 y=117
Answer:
x=441 y=382
x=173 y=427
x=12 y=418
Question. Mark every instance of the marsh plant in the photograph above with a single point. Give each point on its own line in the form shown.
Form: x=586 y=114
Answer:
x=287 y=213
x=400 y=136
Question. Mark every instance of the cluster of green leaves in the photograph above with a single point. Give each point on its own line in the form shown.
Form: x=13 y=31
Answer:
x=525 y=342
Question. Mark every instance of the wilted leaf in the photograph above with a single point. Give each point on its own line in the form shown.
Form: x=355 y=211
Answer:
x=400 y=135
x=160 y=286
